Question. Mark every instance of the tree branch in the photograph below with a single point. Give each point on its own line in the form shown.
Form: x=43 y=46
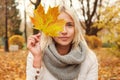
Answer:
x=88 y=10
x=94 y=9
x=32 y=2
x=70 y=3
x=35 y=3
x=99 y=14
x=83 y=9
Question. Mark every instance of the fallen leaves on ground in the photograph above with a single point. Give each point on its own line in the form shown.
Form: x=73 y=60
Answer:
x=109 y=64
x=13 y=65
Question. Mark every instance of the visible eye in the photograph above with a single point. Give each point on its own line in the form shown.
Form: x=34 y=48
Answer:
x=69 y=24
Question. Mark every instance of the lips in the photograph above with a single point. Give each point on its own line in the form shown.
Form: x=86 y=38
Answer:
x=64 y=38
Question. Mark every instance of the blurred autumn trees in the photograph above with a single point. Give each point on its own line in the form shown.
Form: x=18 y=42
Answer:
x=13 y=21
x=98 y=14
x=109 y=23
x=92 y=12
x=102 y=19
x=89 y=11
x=99 y=18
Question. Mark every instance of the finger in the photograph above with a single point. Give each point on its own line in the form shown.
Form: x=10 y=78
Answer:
x=33 y=37
x=37 y=37
x=31 y=42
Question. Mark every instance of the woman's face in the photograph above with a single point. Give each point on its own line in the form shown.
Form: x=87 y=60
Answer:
x=66 y=36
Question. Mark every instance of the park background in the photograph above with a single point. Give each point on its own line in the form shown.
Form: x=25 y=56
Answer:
x=100 y=20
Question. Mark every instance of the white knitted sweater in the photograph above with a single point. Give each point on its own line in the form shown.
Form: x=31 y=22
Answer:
x=88 y=69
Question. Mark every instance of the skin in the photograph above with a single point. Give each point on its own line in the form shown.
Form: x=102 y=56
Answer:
x=62 y=42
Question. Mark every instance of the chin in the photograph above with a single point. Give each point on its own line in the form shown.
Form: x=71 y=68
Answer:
x=64 y=43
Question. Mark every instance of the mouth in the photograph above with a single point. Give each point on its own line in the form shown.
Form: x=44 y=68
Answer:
x=64 y=38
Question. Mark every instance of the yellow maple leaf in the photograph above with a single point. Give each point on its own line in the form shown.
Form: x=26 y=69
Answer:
x=47 y=23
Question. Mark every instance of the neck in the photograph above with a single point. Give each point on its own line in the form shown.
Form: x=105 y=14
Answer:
x=63 y=50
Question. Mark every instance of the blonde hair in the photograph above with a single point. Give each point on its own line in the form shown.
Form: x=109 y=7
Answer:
x=46 y=40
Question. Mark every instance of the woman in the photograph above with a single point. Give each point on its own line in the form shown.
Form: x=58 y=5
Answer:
x=66 y=57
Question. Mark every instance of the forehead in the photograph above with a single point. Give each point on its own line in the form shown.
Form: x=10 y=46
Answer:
x=65 y=16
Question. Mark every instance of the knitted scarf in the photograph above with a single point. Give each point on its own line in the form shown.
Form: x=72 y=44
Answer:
x=64 y=67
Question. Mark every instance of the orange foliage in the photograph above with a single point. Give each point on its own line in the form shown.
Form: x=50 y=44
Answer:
x=12 y=65
x=109 y=64
x=17 y=40
x=47 y=23
x=93 y=41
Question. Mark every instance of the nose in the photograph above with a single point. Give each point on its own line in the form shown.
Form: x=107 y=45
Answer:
x=64 y=31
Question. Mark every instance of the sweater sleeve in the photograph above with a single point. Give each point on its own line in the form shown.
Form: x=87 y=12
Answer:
x=93 y=70
x=31 y=72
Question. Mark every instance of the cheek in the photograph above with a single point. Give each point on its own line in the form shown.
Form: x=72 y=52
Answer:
x=72 y=32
